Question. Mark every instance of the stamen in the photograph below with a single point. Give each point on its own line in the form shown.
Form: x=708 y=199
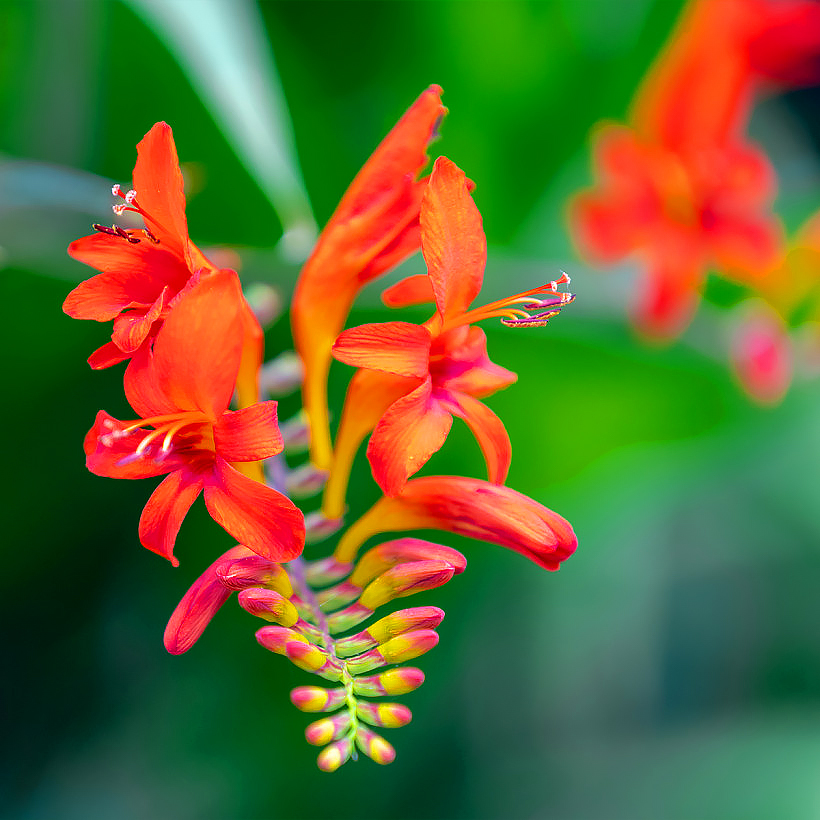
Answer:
x=116 y=190
x=131 y=197
x=118 y=209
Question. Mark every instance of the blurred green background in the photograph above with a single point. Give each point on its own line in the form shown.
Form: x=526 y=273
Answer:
x=671 y=669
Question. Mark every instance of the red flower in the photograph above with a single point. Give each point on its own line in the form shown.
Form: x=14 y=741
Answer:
x=374 y=228
x=142 y=270
x=182 y=389
x=438 y=369
x=468 y=507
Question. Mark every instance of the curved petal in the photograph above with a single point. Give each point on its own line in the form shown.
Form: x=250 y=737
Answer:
x=414 y=290
x=166 y=508
x=196 y=354
x=253 y=353
x=257 y=516
x=415 y=427
x=107 y=356
x=667 y=301
x=488 y=430
x=199 y=604
x=160 y=189
x=459 y=362
x=109 y=452
x=249 y=434
x=400 y=348
x=132 y=328
x=746 y=246
x=452 y=239
x=469 y=507
x=133 y=274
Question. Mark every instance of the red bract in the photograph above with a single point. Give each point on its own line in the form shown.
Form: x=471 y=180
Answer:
x=375 y=227
x=679 y=214
x=468 y=507
x=429 y=373
x=182 y=389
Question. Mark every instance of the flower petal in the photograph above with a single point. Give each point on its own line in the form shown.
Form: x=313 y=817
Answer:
x=166 y=508
x=196 y=354
x=131 y=328
x=257 y=516
x=249 y=434
x=374 y=227
x=459 y=362
x=414 y=290
x=487 y=428
x=415 y=427
x=107 y=356
x=400 y=348
x=452 y=239
x=469 y=507
x=134 y=274
x=109 y=452
x=199 y=604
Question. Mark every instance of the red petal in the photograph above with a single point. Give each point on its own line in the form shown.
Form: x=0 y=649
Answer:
x=746 y=247
x=459 y=362
x=249 y=434
x=469 y=507
x=488 y=429
x=107 y=356
x=667 y=302
x=414 y=290
x=104 y=459
x=400 y=348
x=199 y=604
x=166 y=508
x=134 y=274
x=452 y=239
x=131 y=329
x=257 y=516
x=415 y=427
x=160 y=189
x=196 y=354
x=253 y=353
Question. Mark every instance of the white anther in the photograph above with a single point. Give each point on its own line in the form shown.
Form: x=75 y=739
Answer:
x=118 y=209
x=131 y=196
x=116 y=190
x=106 y=440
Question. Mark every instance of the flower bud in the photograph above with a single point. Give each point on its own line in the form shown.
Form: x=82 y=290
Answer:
x=317 y=698
x=265 y=302
x=375 y=746
x=326 y=571
x=405 y=579
x=392 y=682
x=317 y=527
x=312 y=659
x=295 y=434
x=347 y=618
x=385 y=715
x=268 y=604
x=305 y=480
x=281 y=375
x=396 y=650
x=333 y=756
x=338 y=596
x=402 y=550
x=254 y=571
x=327 y=729
x=405 y=620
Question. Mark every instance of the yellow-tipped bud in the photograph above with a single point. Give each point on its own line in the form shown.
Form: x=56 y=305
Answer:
x=396 y=650
x=323 y=731
x=335 y=755
x=317 y=698
x=375 y=746
x=255 y=571
x=338 y=596
x=405 y=579
x=386 y=715
x=377 y=560
x=405 y=620
x=392 y=682
x=268 y=604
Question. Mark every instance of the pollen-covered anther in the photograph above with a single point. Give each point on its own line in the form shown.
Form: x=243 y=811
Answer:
x=131 y=197
x=116 y=189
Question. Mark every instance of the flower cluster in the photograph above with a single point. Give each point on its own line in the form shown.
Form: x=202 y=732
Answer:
x=193 y=347
x=681 y=188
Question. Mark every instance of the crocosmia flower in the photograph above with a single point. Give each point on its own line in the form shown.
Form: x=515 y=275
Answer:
x=375 y=226
x=180 y=392
x=443 y=363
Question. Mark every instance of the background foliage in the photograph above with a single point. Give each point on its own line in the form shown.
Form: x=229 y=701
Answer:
x=670 y=670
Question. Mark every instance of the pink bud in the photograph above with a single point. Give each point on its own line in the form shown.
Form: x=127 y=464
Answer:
x=385 y=715
x=335 y=755
x=325 y=730
x=392 y=682
x=254 y=571
x=374 y=746
x=317 y=698
x=405 y=579
x=268 y=604
x=377 y=560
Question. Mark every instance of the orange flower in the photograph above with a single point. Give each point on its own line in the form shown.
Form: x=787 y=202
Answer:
x=374 y=228
x=429 y=373
x=181 y=389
